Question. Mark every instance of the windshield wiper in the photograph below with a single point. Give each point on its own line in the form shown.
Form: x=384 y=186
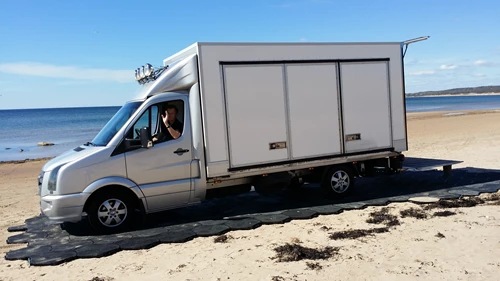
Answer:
x=90 y=143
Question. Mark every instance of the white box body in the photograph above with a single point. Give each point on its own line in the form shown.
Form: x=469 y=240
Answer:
x=312 y=100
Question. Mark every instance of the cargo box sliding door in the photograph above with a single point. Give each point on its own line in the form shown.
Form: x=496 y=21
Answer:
x=313 y=109
x=256 y=115
x=366 y=109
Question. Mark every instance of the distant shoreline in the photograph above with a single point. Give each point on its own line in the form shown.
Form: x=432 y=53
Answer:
x=459 y=91
x=451 y=95
x=26 y=160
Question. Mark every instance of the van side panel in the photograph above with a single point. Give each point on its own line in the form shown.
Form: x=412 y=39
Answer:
x=290 y=111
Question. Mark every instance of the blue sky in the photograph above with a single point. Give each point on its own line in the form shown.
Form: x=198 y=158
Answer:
x=83 y=53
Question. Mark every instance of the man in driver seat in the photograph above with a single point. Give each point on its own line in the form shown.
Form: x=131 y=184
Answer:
x=171 y=127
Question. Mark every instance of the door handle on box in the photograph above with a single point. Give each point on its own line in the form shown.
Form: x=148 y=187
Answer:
x=181 y=151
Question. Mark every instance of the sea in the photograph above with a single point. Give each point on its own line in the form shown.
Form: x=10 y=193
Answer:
x=67 y=128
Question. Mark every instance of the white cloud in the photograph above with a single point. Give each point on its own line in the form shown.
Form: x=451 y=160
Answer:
x=71 y=72
x=485 y=63
x=423 y=72
x=303 y=39
x=447 y=67
x=453 y=73
x=481 y=62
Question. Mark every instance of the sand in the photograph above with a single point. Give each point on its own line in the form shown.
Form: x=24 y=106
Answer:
x=472 y=137
x=464 y=246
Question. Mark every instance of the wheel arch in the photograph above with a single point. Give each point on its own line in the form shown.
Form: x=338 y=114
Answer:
x=120 y=185
x=352 y=166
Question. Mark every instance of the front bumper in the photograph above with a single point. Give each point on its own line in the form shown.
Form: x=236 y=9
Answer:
x=63 y=208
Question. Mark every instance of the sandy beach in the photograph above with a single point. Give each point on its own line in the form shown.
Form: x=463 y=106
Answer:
x=462 y=246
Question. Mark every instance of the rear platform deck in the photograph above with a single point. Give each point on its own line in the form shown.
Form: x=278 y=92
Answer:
x=425 y=164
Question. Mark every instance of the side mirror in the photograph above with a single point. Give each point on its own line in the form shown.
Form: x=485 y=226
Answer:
x=144 y=136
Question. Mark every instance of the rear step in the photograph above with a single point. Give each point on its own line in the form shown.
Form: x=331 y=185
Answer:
x=426 y=164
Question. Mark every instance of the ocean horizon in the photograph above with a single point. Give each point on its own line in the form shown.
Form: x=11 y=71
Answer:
x=66 y=128
x=69 y=127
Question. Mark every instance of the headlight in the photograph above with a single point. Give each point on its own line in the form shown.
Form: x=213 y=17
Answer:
x=53 y=179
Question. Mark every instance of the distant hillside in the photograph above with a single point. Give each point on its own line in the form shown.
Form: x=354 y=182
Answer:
x=458 y=91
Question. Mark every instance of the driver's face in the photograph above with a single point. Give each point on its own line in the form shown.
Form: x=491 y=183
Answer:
x=171 y=114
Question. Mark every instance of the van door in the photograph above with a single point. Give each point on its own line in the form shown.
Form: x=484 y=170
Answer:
x=162 y=172
x=366 y=106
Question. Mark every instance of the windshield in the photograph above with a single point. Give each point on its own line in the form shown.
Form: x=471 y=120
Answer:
x=115 y=123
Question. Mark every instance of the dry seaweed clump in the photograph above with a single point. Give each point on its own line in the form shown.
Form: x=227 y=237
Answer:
x=413 y=213
x=444 y=214
x=357 y=233
x=294 y=252
x=222 y=238
x=383 y=216
x=440 y=235
x=459 y=203
x=314 y=265
x=97 y=278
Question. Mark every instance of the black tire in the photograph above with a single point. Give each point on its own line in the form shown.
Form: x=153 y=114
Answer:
x=338 y=181
x=117 y=210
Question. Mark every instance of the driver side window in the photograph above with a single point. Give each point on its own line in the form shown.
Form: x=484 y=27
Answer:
x=154 y=119
x=148 y=119
x=170 y=120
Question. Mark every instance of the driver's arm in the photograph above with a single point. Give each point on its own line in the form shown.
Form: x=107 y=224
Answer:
x=173 y=132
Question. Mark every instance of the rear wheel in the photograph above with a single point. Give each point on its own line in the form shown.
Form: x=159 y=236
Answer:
x=111 y=211
x=338 y=181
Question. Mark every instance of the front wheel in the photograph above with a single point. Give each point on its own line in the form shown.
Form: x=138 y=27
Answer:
x=110 y=212
x=338 y=181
